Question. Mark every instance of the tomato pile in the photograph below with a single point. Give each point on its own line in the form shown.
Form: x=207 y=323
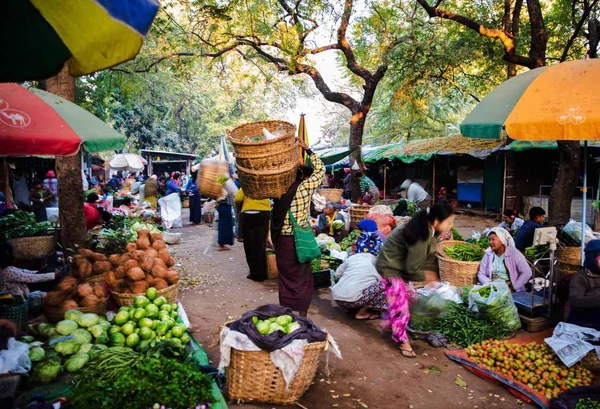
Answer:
x=532 y=364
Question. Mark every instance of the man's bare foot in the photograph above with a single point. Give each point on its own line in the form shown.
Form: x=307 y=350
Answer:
x=223 y=248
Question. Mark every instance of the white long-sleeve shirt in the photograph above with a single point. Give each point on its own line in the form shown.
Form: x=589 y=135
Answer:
x=357 y=273
x=416 y=193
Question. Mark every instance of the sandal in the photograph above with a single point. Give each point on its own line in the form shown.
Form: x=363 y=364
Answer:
x=408 y=353
x=370 y=317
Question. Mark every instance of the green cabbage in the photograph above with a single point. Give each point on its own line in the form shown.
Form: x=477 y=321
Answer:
x=97 y=330
x=65 y=327
x=36 y=354
x=104 y=324
x=76 y=362
x=85 y=348
x=67 y=347
x=88 y=320
x=72 y=315
x=47 y=371
x=81 y=336
x=102 y=339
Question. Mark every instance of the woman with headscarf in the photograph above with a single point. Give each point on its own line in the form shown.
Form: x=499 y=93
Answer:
x=360 y=286
x=504 y=262
x=409 y=255
x=584 y=290
x=151 y=191
x=195 y=199
x=326 y=222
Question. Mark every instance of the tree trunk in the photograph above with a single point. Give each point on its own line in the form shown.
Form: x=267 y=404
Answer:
x=68 y=171
x=593 y=36
x=559 y=203
x=357 y=127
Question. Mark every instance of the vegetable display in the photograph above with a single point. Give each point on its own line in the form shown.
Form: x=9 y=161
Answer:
x=146 y=264
x=284 y=323
x=483 y=242
x=494 y=302
x=147 y=322
x=464 y=252
x=349 y=240
x=122 y=378
x=536 y=252
x=119 y=231
x=532 y=364
x=456 y=235
x=69 y=294
x=21 y=224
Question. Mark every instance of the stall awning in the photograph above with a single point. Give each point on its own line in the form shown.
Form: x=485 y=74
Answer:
x=331 y=158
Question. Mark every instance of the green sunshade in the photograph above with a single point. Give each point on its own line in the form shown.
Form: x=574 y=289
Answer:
x=331 y=159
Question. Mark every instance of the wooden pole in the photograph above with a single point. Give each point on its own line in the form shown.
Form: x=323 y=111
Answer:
x=384 y=179
x=433 y=195
x=504 y=186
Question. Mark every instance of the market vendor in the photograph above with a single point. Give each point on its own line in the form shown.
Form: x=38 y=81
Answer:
x=151 y=191
x=326 y=222
x=41 y=197
x=347 y=184
x=504 y=262
x=92 y=214
x=584 y=291
x=409 y=255
x=526 y=233
x=510 y=221
x=173 y=185
x=416 y=194
x=368 y=189
x=14 y=280
x=360 y=286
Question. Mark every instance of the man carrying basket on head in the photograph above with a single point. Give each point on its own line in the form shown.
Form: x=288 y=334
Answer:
x=295 y=279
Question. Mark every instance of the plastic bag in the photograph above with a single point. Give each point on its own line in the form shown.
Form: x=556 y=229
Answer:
x=170 y=211
x=381 y=209
x=444 y=289
x=319 y=202
x=431 y=302
x=573 y=229
x=494 y=302
x=15 y=359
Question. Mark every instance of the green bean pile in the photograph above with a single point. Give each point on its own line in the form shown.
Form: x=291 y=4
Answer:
x=464 y=252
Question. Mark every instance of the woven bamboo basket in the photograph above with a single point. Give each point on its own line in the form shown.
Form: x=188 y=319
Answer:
x=569 y=259
x=210 y=171
x=357 y=213
x=252 y=377
x=99 y=278
x=265 y=184
x=25 y=248
x=186 y=203
x=332 y=195
x=457 y=273
x=272 y=271
x=591 y=362
x=55 y=315
x=267 y=168
x=126 y=299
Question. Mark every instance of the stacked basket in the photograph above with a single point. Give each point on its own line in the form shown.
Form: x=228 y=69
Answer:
x=29 y=248
x=569 y=259
x=332 y=195
x=208 y=178
x=266 y=168
x=457 y=273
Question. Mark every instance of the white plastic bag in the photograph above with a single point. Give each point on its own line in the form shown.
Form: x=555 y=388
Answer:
x=15 y=359
x=319 y=202
x=498 y=307
x=573 y=229
x=230 y=187
x=443 y=289
x=170 y=211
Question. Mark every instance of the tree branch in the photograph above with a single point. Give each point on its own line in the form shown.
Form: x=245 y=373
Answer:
x=345 y=47
x=578 y=27
x=508 y=43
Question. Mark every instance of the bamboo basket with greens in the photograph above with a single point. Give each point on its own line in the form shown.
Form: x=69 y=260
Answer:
x=458 y=262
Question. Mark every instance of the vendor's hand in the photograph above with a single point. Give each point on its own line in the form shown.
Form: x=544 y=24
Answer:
x=302 y=144
x=431 y=276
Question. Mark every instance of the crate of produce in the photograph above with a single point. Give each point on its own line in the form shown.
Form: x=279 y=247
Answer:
x=455 y=272
x=126 y=299
x=537 y=324
x=322 y=278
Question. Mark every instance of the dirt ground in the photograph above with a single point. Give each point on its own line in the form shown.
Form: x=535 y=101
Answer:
x=372 y=373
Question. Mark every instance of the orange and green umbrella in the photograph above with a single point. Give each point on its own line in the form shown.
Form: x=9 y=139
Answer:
x=39 y=36
x=557 y=102
x=303 y=136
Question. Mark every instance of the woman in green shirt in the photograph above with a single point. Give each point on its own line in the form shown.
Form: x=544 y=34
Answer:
x=409 y=255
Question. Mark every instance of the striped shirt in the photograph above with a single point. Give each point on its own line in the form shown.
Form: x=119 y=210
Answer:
x=301 y=204
x=365 y=184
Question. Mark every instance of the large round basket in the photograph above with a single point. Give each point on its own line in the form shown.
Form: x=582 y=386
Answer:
x=332 y=195
x=99 y=278
x=55 y=315
x=266 y=168
x=569 y=259
x=270 y=184
x=357 y=213
x=252 y=377
x=26 y=248
x=126 y=299
x=210 y=171
x=591 y=362
x=457 y=273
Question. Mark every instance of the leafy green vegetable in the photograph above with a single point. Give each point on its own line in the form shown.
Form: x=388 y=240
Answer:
x=65 y=327
x=36 y=354
x=456 y=235
x=47 y=371
x=536 y=252
x=21 y=224
x=464 y=252
x=349 y=240
x=76 y=362
x=67 y=347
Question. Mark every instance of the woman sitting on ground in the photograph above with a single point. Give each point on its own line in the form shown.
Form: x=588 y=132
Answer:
x=584 y=291
x=326 y=225
x=504 y=262
x=409 y=255
x=360 y=286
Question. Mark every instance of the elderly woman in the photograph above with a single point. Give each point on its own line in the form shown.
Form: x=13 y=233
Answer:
x=584 y=291
x=504 y=262
x=326 y=225
x=360 y=286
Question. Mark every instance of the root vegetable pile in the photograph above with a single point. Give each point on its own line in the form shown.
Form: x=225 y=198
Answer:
x=70 y=295
x=532 y=364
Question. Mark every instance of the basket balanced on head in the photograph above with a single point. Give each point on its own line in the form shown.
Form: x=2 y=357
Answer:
x=208 y=177
x=266 y=167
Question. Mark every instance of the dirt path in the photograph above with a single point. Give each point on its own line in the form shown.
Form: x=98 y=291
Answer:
x=372 y=373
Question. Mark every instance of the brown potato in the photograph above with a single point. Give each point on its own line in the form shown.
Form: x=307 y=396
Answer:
x=136 y=274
